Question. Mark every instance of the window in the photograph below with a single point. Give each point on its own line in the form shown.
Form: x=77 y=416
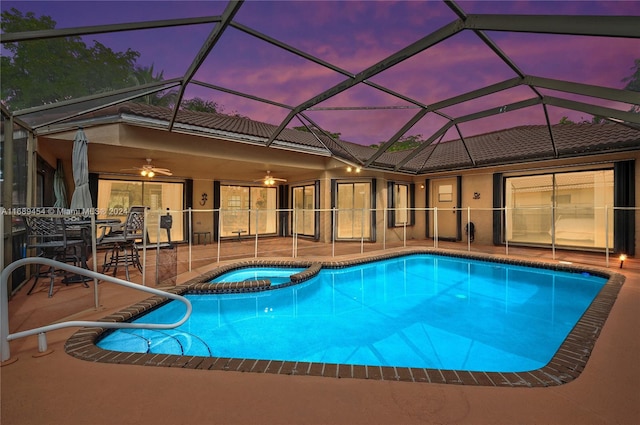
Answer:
x=115 y=197
x=445 y=193
x=250 y=209
x=570 y=206
x=304 y=206
x=354 y=211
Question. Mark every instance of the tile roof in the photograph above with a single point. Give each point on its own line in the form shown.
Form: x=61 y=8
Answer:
x=523 y=143
x=227 y=123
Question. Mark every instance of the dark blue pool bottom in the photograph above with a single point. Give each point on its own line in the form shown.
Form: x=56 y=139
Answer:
x=566 y=365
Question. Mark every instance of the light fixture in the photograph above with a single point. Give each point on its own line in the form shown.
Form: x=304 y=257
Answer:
x=348 y=169
x=357 y=169
x=204 y=199
x=622 y=258
x=269 y=180
x=149 y=170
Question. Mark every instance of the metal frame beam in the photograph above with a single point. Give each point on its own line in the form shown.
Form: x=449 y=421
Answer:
x=608 y=113
x=290 y=49
x=101 y=29
x=227 y=16
x=626 y=96
x=403 y=54
x=466 y=118
x=600 y=26
x=382 y=149
x=441 y=132
x=241 y=94
x=157 y=86
x=353 y=157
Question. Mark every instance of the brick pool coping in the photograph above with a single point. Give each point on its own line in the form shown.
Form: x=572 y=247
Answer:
x=565 y=366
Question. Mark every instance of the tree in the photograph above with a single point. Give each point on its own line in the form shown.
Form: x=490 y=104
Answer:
x=145 y=75
x=40 y=72
x=596 y=119
x=404 y=143
x=197 y=104
x=565 y=120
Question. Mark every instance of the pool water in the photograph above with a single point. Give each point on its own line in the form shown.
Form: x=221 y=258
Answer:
x=424 y=311
x=277 y=275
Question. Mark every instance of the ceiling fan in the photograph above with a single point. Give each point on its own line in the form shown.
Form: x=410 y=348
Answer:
x=269 y=180
x=148 y=170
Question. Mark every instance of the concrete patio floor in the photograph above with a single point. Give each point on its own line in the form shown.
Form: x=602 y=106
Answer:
x=59 y=389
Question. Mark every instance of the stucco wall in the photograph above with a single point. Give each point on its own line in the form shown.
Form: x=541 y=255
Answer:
x=113 y=148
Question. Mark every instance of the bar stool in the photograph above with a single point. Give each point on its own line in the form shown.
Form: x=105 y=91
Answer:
x=120 y=242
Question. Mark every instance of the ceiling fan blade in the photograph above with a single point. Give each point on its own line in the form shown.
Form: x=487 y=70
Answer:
x=162 y=171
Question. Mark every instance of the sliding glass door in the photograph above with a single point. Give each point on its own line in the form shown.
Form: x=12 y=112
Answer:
x=304 y=205
x=575 y=208
x=247 y=210
x=115 y=197
x=354 y=210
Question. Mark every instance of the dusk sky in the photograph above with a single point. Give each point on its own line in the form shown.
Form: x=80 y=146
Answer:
x=354 y=35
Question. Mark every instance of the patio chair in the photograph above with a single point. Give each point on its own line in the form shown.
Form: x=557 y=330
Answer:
x=120 y=242
x=48 y=237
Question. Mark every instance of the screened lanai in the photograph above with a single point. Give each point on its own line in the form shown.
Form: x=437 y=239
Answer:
x=325 y=130
x=362 y=72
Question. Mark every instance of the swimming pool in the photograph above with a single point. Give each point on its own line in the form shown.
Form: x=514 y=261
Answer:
x=510 y=306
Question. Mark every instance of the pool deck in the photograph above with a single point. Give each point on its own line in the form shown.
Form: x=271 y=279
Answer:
x=60 y=389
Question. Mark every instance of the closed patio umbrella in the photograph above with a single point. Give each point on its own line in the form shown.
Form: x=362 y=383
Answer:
x=59 y=189
x=81 y=198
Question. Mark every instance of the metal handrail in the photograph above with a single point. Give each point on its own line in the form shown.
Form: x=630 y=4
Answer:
x=5 y=336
